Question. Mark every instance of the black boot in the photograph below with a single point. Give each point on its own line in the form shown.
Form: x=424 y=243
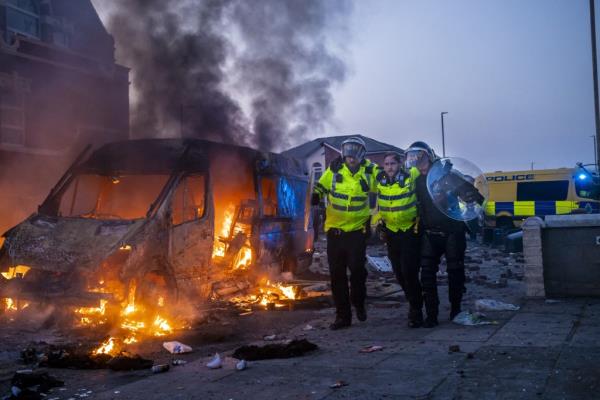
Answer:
x=361 y=313
x=454 y=310
x=430 y=322
x=340 y=323
x=415 y=318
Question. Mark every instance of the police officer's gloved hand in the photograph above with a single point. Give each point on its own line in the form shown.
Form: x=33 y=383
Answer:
x=315 y=199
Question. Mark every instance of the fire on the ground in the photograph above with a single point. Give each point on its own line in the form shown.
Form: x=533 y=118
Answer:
x=138 y=229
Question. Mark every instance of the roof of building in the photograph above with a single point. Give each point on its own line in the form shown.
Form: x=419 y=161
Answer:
x=306 y=149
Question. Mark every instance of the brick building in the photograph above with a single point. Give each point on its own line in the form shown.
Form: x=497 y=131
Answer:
x=60 y=89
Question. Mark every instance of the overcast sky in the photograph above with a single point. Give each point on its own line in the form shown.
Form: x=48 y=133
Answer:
x=515 y=77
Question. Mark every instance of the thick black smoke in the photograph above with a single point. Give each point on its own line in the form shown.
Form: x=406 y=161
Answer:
x=193 y=61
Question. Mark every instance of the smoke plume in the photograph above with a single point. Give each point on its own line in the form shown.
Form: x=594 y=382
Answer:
x=249 y=72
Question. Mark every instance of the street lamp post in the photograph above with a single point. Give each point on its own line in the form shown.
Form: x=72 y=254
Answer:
x=595 y=150
x=443 y=137
x=595 y=73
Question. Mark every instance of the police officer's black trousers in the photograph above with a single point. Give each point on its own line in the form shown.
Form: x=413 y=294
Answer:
x=347 y=250
x=433 y=246
x=403 y=251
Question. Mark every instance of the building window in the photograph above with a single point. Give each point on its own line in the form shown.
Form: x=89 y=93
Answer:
x=12 y=117
x=22 y=16
x=317 y=170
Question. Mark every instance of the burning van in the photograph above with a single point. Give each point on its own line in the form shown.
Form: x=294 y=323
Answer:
x=158 y=221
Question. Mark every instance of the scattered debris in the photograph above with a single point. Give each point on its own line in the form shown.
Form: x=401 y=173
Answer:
x=178 y=362
x=552 y=301
x=338 y=384
x=371 y=349
x=381 y=264
x=453 y=348
x=308 y=327
x=216 y=362
x=70 y=358
x=270 y=338
x=129 y=362
x=177 y=348
x=498 y=284
x=157 y=369
x=29 y=384
x=241 y=365
x=494 y=305
x=468 y=319
x=295 y=348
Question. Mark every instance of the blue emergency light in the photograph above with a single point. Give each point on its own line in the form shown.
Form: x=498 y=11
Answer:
x=582 y=176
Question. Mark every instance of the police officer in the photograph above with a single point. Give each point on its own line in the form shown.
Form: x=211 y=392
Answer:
x=397 y=210
x=441 y=235
x=346 y=184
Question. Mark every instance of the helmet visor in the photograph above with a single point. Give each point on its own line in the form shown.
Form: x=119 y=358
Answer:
x=416 y=158
x=354 y=150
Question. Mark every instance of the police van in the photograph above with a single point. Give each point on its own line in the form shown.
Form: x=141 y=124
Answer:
x=516 y=195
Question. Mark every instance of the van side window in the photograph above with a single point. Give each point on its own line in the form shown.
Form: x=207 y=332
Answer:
x=542 y=191
x=188 y=202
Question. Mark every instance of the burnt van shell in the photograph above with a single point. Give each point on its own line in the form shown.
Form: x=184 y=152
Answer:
x=181 y=254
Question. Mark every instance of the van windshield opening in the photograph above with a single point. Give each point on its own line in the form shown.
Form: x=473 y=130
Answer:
x=111 y=197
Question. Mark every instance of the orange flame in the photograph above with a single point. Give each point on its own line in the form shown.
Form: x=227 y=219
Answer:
x=108 y=347
x=219 y=246
x=243 y=258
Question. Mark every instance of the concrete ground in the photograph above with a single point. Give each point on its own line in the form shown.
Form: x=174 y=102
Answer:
x=549 y=349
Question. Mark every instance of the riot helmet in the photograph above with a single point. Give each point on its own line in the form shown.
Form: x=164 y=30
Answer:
x=419 y=154
x=354 y=147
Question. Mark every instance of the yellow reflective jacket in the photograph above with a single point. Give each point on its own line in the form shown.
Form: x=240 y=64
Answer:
x=347 y=195
x=397 y=200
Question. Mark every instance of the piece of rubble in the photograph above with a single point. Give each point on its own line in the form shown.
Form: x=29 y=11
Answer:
x=471 y=319
x=494 y=305
x=29 y=384
x=370 y=349
x=157 y=369
x=177 y=347
x=241 y=365
x=453 y=348
x=498 y=284
x=294 y=348
x=129 y=362
x=216 y=362
x=338 y=384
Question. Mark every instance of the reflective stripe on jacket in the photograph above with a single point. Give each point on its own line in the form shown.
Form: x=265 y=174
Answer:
x=397 y=201
x=347 y=196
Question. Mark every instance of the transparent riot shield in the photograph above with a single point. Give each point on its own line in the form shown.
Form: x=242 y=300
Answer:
x=458 y=188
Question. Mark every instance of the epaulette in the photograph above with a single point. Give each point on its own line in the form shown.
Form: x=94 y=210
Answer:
x=381 y=177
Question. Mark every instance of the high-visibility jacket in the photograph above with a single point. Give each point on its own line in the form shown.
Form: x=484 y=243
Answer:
x=397 y=199
x=347 y=195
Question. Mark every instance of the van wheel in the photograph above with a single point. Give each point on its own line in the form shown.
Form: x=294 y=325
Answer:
x=505 y=223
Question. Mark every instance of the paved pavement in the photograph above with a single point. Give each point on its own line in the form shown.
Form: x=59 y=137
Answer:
x=546 y=350
x=543 y=351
